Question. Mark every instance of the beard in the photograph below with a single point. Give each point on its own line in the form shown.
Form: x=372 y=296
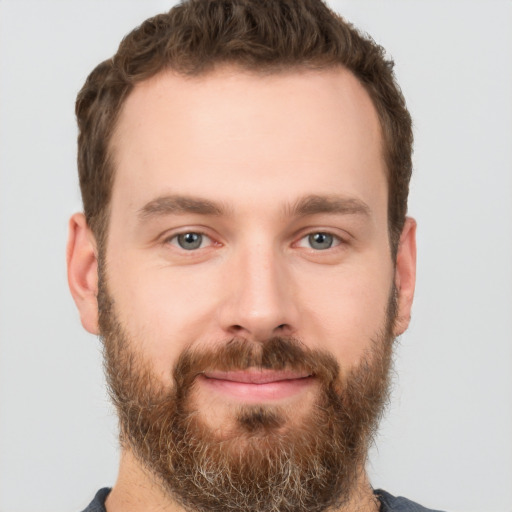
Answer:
x=267 y=461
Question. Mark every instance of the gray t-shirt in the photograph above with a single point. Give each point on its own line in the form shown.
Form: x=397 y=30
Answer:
x=388 y=503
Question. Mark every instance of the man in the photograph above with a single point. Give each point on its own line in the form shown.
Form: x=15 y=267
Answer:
x=245 y=255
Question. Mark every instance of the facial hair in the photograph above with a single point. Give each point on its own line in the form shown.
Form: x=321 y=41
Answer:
x=265 y=462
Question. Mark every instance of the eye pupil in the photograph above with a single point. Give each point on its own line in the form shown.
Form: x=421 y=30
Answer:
x=320 y=241
x=190 y=241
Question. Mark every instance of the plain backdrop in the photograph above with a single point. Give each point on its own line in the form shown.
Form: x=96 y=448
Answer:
x=446 y=440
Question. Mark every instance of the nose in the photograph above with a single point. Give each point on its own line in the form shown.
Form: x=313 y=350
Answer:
x=258 y=296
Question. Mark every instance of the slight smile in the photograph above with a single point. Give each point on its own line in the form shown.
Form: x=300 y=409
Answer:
x=257 y=385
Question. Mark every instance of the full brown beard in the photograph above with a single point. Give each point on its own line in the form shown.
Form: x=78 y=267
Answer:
x=265 y=462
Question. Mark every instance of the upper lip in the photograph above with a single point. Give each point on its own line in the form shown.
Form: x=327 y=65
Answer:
x=256 y=376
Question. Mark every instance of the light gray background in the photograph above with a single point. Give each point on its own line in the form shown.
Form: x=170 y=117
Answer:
x=447 y=437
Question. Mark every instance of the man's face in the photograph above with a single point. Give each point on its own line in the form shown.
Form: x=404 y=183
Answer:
x=249 y=207
x=250 y=211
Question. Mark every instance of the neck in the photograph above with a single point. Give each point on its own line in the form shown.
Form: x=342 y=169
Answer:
x=137 y=491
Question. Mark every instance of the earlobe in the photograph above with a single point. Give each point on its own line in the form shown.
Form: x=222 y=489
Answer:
x=82 y=263
x=405 y=275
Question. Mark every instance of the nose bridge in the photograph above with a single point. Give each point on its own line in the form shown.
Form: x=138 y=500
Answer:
x=259 y=302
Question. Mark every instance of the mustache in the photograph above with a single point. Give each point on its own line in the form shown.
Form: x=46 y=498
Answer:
x=277 y=353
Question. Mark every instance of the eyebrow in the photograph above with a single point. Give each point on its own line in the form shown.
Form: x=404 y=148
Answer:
x=179 y=205
x=316 y=204
x=303 y=207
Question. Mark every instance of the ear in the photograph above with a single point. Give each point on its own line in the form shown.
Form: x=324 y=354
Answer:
x=82 y=261
x=405 y=275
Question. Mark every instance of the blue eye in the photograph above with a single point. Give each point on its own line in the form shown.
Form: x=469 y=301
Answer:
x=320 y=241
x=190 y=241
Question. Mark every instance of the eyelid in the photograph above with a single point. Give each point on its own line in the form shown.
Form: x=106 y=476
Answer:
x=170 y=238
x=337 y=240
x=173 y=240
x=340 y=238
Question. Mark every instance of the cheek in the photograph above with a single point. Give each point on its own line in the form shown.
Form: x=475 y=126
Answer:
x=163 y=311
x=343 y=312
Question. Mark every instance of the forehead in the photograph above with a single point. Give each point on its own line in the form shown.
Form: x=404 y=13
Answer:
x=282 y=133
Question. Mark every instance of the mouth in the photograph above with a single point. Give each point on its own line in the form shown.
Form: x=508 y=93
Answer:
x=257 y=385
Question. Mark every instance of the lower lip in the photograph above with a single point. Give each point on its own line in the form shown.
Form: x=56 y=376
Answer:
x=255 y=393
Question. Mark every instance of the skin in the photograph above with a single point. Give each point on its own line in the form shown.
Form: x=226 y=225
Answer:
x=256 y=147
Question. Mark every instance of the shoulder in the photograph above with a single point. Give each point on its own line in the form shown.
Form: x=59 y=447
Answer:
x=98 y=503
x=390 y=503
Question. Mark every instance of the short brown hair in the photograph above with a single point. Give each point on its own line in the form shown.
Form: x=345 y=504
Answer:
x=259 y=35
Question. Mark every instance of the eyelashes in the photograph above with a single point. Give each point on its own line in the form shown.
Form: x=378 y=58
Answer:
x=191 y=241
x=320 y=241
